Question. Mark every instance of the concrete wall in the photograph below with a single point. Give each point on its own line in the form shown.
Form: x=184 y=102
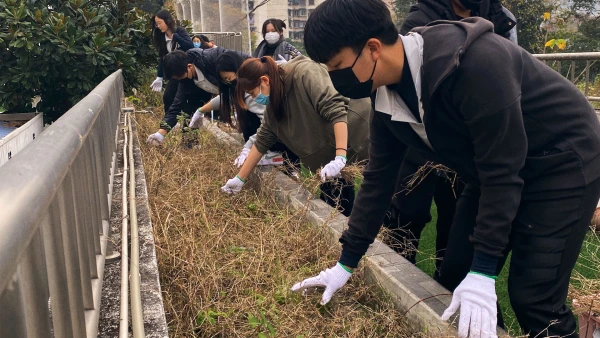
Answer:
x=14 y=142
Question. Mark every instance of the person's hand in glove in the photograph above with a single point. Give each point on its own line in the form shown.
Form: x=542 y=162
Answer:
x=155 y=139
x=157 y=84
x=280 y=60
x=240 y=159
x=234 y=185
x=476 y=297
x=197 y=119
x=333 y=168
x=331 y=279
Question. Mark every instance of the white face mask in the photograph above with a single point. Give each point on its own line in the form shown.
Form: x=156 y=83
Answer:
x=272 y=37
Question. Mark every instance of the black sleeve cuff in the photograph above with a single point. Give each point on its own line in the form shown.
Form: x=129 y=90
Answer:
x=349 y=259
x=484 y=264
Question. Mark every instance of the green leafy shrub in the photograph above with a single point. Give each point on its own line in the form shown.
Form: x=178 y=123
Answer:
x=60 y=50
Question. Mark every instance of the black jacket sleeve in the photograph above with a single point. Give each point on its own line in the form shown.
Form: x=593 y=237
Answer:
x=183 y=39
x=159 y=70
x=494 y=118
x=373 y=199
x=170 y=119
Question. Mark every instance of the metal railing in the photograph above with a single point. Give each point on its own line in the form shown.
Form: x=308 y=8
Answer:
x=229 y=40
x=556 y=62
x=54 y=229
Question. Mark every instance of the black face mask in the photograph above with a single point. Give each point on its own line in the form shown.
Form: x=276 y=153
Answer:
x=348 y=85
x=471 y=4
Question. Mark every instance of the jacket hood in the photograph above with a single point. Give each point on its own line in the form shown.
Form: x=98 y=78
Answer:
x=444 y=43
x=489 y=9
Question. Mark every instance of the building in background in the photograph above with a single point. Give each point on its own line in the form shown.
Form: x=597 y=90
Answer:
x=272 y=9
x=298 y=12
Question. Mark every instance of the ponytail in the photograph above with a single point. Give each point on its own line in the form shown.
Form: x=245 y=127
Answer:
x=249 y=76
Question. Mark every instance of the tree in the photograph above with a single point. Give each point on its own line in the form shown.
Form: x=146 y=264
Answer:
x=401 y=8
x=148 y=6
x=60 y=50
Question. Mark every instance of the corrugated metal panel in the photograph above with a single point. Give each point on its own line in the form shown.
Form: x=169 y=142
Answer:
x=18 y=139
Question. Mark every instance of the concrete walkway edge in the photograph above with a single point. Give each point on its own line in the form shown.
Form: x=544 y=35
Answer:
x=412 y=290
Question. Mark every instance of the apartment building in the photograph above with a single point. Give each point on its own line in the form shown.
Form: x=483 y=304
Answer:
x=294 y=12
x=300 y=10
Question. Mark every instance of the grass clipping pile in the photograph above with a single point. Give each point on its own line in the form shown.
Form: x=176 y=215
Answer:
x=227 y=262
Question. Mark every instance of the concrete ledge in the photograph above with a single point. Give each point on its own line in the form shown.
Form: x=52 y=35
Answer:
x=155 y=323
x=412 y=290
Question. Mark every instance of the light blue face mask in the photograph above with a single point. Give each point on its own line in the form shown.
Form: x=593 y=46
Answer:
x=261 y=98
x=196 y=44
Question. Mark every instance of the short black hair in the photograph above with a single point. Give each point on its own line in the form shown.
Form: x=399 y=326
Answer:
x=175 y=64
x=336 y=24
x=204 y=38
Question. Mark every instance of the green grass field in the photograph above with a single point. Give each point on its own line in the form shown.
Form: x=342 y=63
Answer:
x=586 y=266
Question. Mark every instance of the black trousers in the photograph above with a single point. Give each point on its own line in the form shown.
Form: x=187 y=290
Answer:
x=546 y=240
x=411 y=211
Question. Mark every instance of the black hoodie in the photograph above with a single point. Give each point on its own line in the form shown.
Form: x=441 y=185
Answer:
x=505 y=121
x=426 y=11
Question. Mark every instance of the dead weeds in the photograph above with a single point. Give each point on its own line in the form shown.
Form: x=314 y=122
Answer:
x=227 y=263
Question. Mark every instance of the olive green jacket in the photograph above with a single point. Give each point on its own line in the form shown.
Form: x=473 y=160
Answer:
x=312 y=106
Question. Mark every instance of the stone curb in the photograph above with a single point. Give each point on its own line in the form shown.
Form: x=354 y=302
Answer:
x=412 y=290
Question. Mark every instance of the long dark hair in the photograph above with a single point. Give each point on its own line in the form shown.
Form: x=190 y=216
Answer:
x=230 y=62
x=158 y=38
x=249 y=76
x=278 y=24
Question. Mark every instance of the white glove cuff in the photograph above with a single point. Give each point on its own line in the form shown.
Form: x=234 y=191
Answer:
x=339 y=273
x=342 y=158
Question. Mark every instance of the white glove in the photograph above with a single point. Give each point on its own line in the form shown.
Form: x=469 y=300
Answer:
x=155 y=139
x=240 y=159
x=476 y=297
x=333 y=168
x=280 y=60
x=331 y=279
x=157 y=84
x=197 y=119
x=233 y=186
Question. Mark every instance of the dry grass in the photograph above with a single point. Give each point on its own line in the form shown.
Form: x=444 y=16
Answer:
x=584 y=289
x=227 y=263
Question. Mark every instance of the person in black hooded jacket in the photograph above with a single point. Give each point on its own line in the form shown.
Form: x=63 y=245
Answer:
x=196 y=71
x=410 y=209
x=523 y=138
